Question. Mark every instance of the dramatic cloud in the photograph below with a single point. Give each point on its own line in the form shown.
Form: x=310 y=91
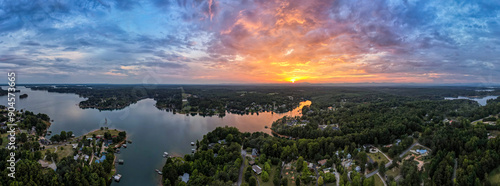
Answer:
x=251 y=41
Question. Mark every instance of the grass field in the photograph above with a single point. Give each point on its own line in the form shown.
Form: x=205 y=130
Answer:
x=113 y=132
x=4 y=140
x=393 y=172
x=378 y=181
x=494 y=177
x=292 y=173
x=61 y=153
x=271 y=176
x=378 y=157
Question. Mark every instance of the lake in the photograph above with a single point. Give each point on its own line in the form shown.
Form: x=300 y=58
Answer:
x=481 y=100
x=151 y=130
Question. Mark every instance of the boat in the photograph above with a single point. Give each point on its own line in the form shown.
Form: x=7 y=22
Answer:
x=129 y=141
x=157 y=170
x=192 y=143
x=117 y=177
x=120 y=161
x=193 y=150
x=160 y=173
x=124 y=146
x=165 y=154
x=266 y=127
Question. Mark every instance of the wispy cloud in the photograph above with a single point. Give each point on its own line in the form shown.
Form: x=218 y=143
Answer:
x=252 y=41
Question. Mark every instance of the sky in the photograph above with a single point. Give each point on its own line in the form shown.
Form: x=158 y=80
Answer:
x=250 y=41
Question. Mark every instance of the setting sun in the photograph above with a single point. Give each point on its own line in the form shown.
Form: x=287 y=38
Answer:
x=292 y=80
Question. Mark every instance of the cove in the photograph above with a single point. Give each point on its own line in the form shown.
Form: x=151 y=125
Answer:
x=151 y=130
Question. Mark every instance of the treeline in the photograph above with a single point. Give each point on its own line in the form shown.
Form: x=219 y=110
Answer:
x=111 y=97
x=217 y=166
x=217 y=163
x=69 y=171
x=375 y=123
x=39 y=121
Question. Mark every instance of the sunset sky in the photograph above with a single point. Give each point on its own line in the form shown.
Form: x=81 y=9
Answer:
x=251 y=41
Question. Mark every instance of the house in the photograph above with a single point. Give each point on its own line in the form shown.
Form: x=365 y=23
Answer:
x=358 y=169
x=349 y=156
x=101 y=159
x=388 y=146
x=421 y=151
x=310 y=165
x=86 y=157
x=322 y=162
x=185 y=177
x=222 y=141
x=255 y=152
x=251 y=163
x=322 y=127
x=365 y=146
x=256 y=169
x=211 y=145
x=398 y=141
x=45 y=142
x=76 y=157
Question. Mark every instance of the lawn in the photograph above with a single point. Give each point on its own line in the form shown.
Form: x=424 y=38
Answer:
x=293 y=173
x=113 y=132
x=4 y=140
x=271 y=176
x=393 y=172
x=494 y=177
x=378 y=157
x=378 y=181
x=61 y=153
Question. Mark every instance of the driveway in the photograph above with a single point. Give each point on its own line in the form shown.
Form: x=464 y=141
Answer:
x=242 y=167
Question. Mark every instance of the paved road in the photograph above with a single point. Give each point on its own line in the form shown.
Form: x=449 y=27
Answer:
x=407 y=150
x=454 y=171
x=370 y=158
x=390 y=160
x=385 y=184
x=242 y=167
x=371 y=173
x=316 y=171
x=337 y=175
x=397 y=178
x=256 y=179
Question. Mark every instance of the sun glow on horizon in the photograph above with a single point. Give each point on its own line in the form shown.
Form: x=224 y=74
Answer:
x=292 y=80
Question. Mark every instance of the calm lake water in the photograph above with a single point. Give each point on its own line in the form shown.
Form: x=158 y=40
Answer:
x=481 y=100
x=152 y=131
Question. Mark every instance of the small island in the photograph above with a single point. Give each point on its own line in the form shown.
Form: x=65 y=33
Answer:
x=22 y=96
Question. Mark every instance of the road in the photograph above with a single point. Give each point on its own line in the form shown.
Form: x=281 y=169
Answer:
x=409 y=148
x=454 y=171
x=316 y=171
x=390 y=160
x=337 y=175
x=242 y=167
x=385 y=184
x=370 y=158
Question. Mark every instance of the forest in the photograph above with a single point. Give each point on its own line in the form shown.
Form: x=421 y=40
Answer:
x=337 y=127
x=29 y=152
